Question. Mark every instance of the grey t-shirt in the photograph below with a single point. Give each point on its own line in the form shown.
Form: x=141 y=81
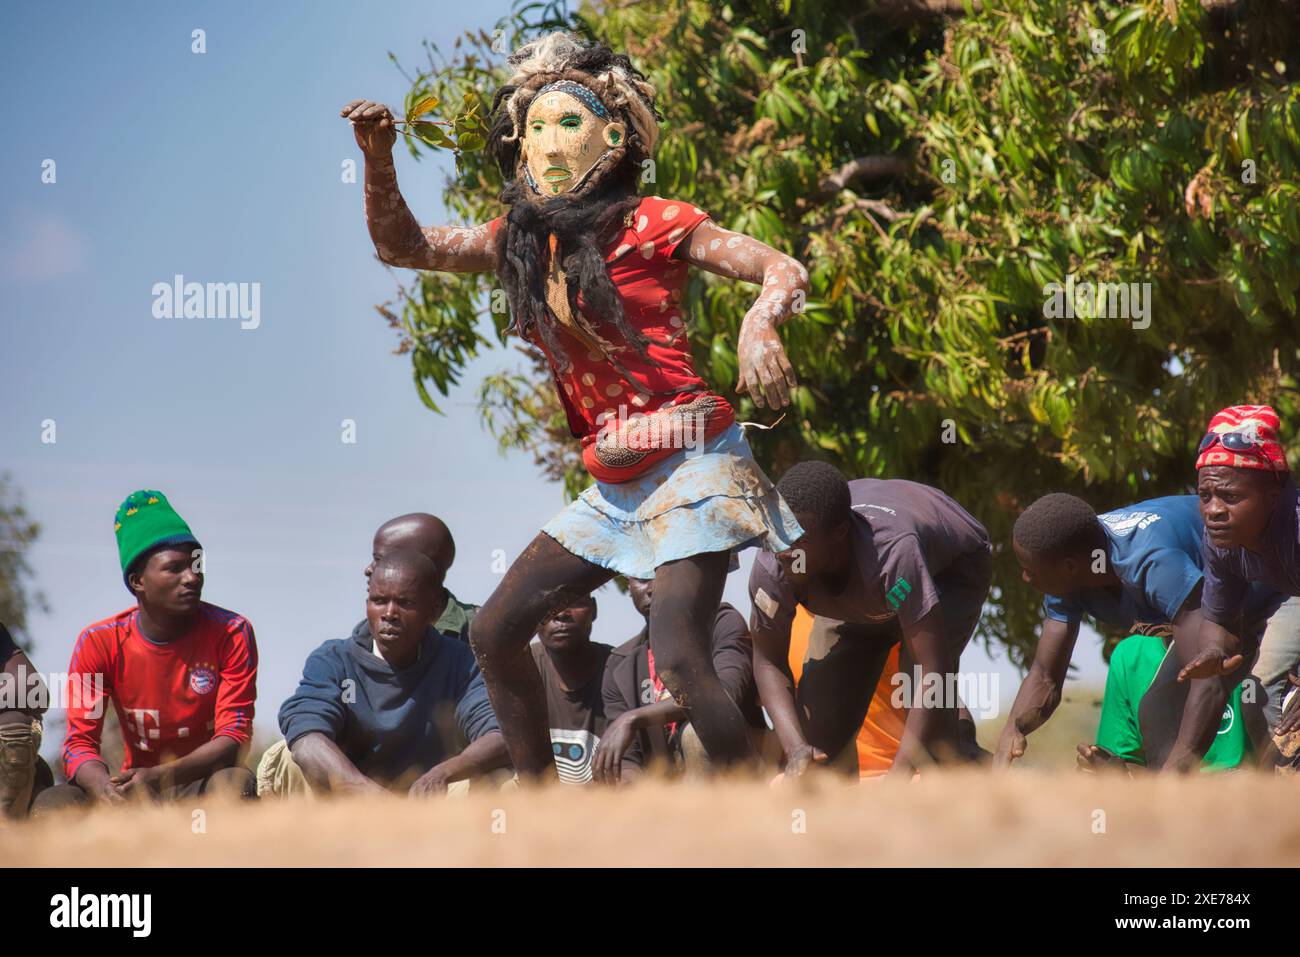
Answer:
x=577 y=717
x=905 y=536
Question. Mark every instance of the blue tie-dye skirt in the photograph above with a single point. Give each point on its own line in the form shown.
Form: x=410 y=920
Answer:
x=713 y=499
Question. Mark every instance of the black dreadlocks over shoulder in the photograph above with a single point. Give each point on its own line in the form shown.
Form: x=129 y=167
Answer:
x=583 y=222
x=818 y=489
x=1059 y=526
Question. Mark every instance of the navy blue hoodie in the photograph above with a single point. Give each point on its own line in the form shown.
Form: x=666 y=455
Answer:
x=393 y=725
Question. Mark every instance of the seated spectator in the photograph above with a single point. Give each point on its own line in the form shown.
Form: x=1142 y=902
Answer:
x=572 y=667
x=428 y=535
x=181 y=673
x=397 y=707
x=645 y=725
x=23 y=698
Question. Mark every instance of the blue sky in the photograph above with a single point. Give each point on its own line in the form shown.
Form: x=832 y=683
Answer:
x=225 y=167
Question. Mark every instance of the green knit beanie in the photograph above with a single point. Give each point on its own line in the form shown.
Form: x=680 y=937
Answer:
x=143 y=522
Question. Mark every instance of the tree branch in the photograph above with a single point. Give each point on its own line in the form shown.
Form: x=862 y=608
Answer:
x=864 y=167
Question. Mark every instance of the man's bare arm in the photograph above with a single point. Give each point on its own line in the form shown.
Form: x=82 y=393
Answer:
x=1218 y=652
x=1207 y=695
x=326 y=767
x=1040 y=692
x=929 y=733
x=775 y=686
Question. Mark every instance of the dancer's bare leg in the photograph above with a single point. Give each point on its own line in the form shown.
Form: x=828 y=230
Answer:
x=682 y=612
x=545 y=576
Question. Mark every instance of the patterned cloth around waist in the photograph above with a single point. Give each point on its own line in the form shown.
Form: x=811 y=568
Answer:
x=625 y=448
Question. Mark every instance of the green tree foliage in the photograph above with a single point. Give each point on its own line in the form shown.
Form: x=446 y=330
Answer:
x=939 y=167
x=17 y=532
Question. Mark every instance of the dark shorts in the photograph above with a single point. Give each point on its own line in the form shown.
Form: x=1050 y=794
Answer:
x=845 y=659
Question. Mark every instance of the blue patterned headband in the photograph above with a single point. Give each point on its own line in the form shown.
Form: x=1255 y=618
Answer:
x=582 y=93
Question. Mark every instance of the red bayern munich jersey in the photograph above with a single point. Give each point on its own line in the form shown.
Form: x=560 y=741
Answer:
x=169 y=698
x=650 y=283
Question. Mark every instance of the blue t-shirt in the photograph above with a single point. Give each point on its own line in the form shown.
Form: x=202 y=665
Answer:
x=1155 y=550
x=1229 y=572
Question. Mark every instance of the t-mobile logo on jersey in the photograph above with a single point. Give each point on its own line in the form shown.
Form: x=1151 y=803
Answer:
x=75 y=909
x=137 y=720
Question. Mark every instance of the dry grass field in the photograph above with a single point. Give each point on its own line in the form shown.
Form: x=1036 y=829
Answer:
x=1043 y=813
x=960 y=818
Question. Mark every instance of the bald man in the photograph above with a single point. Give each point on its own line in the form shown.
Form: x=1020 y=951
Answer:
x=430 y=536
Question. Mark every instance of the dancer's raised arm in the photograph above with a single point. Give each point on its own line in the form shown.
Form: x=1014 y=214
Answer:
x=765 y=372
x=398 y=237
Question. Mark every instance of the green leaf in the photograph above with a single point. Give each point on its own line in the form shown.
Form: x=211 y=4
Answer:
x=426 y=105
x=471 y=141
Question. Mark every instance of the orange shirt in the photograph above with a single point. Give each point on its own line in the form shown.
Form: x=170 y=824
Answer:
x=882 y=730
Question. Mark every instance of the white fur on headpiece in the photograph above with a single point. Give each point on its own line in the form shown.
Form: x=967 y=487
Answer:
x=553 y=53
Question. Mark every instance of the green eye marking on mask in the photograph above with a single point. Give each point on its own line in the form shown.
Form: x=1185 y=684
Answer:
x=571 y=121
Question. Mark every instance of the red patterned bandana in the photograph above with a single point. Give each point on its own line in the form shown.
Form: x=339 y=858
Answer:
x=1243 y=437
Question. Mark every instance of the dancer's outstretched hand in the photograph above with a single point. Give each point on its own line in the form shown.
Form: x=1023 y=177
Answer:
x=765 y=372
x=373 y=125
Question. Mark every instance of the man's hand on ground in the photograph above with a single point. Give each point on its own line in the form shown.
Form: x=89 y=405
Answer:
x=1092 y=759
x=1011 y=747
x=802 y=758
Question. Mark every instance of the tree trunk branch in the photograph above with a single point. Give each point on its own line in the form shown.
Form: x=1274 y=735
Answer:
x=864 y=167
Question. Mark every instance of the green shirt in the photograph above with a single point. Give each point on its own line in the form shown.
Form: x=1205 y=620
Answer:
x=1133 y=666
x=455 y=618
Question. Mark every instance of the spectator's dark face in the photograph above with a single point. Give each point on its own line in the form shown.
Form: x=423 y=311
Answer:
x=642 y=591
x=819 y=551
x=1236 y=504
x=170 y=581
x=398 y=611
x=568 y=628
